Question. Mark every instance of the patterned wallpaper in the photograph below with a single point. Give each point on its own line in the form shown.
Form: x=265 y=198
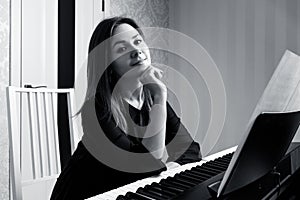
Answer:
x=4 y=76
x=147 y=13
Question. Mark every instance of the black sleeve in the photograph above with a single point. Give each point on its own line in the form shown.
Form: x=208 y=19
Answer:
x=180 y=145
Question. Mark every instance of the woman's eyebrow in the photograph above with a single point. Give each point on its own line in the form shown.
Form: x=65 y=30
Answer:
x=123 y=41
x=135 y=36
x=118 y=42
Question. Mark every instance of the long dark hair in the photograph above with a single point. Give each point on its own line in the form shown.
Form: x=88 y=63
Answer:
x=101 y=81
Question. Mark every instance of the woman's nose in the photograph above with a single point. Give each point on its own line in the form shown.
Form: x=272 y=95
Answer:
x=136 y=53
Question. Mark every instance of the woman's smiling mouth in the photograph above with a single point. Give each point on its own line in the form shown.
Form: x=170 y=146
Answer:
x=139 y=62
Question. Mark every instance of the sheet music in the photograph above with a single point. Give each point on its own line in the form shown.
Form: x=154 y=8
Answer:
x=282 y=94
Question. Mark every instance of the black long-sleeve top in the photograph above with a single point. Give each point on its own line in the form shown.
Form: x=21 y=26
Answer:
x=85 y=176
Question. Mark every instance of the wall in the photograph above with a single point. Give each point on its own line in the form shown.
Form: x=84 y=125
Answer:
x=39 y=42
x=4 y=78
x=246 y=39
x=145 y=12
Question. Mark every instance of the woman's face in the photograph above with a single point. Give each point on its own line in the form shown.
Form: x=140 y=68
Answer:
x=128 y=50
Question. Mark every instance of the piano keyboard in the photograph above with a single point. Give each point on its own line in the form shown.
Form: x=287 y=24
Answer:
x=172 y=182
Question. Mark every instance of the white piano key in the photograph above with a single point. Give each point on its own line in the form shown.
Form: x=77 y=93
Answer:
x=132 y=187
x=219 y=154
x=114 y=194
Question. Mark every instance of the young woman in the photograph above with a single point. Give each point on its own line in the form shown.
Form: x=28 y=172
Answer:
x=130 y=104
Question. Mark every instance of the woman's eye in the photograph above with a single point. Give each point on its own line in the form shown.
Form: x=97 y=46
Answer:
x=138 y=41
x=121 y=49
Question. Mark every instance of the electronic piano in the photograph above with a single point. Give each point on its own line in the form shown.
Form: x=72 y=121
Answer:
x=190 y=181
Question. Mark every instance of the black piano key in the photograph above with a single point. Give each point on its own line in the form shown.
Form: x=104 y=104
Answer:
x=197 y=176
x=151 y=194
x=168 y=187
x=160 y=190
x=184 y=180
x=223 y=165
x=194 y=175
x=178 y=187
x=205 y=171
x=175 y=183
x=215 y=166
x=121 y=197
x=189 y=178
x=219 y=165
x=210 y=166
x=219 y=162
x=212 y=169
x=135 y=196
x=229 y=155
x=201 y=173
x=225 y=159
x=179 y=181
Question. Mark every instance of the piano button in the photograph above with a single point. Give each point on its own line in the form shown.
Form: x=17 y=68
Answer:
x=160 y=190
x=134 y=196
x=151 y=194
x=177 y=183
x=169 y=188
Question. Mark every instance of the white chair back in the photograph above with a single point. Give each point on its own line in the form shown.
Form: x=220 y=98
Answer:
x=33 y=135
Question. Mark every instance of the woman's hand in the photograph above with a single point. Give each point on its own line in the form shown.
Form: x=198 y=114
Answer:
x=172 y=165
x=128 y=84
x=151 y=79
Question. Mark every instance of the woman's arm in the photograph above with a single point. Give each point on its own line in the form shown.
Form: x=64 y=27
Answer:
x=180 y=145
x=155 y=134
x=154 y=138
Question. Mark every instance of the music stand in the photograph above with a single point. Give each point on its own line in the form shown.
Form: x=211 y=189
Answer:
x=263 y=147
